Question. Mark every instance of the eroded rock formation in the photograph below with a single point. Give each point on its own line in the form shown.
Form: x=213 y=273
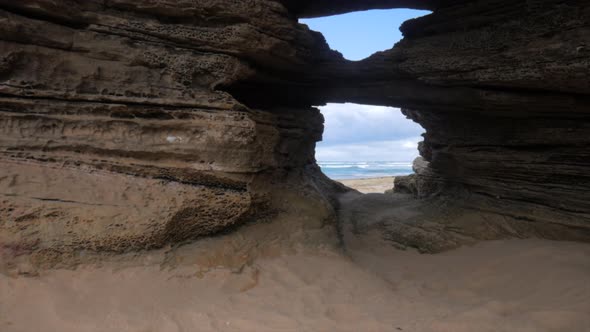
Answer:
x=133 y=124
x=114 y=135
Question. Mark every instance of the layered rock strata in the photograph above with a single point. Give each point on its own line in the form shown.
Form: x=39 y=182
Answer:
x=132 y=124
x=113 y=135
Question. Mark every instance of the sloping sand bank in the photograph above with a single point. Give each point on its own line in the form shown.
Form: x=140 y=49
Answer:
x=515 y=285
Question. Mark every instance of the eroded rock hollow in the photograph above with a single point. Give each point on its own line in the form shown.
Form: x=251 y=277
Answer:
x=128 y=124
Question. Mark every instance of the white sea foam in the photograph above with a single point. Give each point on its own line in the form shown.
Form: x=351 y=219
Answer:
x=365 y=169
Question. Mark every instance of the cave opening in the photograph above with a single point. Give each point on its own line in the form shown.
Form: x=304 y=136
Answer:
x=366 y=141
x=358 y=35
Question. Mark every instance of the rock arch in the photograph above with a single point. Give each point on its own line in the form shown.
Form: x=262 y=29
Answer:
x=92 y=91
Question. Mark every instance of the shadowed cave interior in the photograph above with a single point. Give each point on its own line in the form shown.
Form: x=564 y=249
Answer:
x=134 y=126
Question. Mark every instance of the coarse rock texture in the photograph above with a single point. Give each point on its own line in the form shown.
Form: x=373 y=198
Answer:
x=114 y=136
x=128 y=125
x=423 y=183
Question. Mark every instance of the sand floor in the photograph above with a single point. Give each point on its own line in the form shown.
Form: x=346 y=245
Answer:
x=495 y=286
x=370 y=185
x=512 y=285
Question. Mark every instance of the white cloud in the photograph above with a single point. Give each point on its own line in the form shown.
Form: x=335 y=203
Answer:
x=398 y=150
x=410 y=145
x=367 y=133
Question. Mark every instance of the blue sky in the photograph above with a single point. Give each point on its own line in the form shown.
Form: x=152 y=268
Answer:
x=358 y=35
x=361 y=132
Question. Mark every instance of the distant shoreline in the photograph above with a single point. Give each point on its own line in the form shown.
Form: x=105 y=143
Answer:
x=368 y=178
x=370 y=185
x=350 y=170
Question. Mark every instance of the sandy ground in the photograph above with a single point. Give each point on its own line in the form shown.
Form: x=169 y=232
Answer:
x=311 y=285
x=512 y=285
x=370 y=185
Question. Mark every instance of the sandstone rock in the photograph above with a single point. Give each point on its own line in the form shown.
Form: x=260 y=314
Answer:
x=132 y=124
x=423 y=183
x=420 y=166
x=113 y=134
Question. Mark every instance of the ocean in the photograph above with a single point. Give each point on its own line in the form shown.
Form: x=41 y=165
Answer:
x=342 y=170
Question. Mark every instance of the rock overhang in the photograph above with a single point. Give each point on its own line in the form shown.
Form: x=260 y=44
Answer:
x=504 y=98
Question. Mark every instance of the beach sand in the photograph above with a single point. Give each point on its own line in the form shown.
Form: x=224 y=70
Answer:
x=311 y=284
x=370 y=185
x=497 y=286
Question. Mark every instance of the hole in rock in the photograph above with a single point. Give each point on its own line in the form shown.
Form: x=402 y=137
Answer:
x=362 y=141
x=358 y=35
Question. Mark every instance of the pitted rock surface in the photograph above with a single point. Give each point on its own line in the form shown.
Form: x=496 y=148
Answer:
x=133 y=124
